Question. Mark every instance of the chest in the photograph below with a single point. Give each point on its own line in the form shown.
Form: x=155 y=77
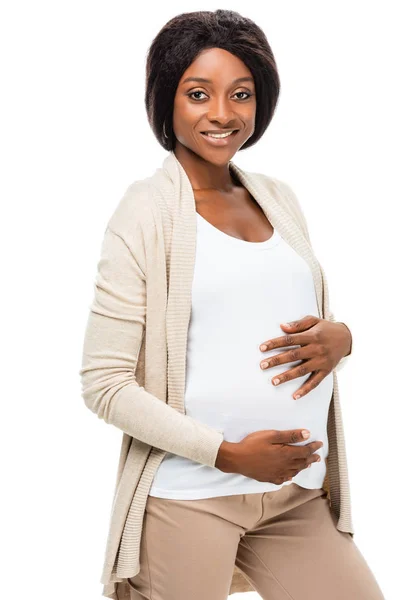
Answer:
x=236 y=214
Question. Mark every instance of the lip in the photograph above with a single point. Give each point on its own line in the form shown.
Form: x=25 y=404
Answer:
x=219 y=141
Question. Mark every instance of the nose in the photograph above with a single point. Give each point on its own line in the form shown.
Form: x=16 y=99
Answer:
x=221 y=111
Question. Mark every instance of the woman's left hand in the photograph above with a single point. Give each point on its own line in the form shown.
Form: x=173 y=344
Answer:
x=322 y=344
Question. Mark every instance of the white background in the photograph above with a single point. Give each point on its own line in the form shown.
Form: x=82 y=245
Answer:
x=74 y=135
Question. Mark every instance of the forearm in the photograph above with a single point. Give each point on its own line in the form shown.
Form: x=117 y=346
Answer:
x=112 y=343
x=143 y=416
x=111 y=391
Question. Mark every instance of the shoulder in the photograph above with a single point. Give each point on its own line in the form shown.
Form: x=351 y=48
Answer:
x=281 y=190
x=134 y=211
x=284 y=194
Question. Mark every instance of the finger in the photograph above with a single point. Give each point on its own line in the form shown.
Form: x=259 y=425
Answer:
x=303 y=453
x=302 y=324
x=287 y=436
x=314 y=459
x=291 y=339
x=305 y=368
x=293 y=472
x=292 y=355
x=310 y=384
x=302 y=463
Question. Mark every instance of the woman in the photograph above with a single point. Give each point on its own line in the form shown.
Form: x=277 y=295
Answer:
x=203 y=264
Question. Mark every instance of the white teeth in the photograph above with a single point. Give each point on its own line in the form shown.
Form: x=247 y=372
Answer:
x=219 y=135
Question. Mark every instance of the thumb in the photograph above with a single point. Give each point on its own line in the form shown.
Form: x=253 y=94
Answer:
x=289 y=436
x=288 y=325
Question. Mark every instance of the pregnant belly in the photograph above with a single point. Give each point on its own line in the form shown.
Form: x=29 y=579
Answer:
x=239 y=406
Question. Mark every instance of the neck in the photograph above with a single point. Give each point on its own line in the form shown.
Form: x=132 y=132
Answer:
x=204 y=175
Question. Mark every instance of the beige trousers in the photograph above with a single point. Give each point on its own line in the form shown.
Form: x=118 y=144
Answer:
x=285 y=542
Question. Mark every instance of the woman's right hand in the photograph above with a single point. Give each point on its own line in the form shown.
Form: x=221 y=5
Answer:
x=267 y=456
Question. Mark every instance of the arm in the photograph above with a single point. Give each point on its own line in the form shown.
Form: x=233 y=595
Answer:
x=112 y=341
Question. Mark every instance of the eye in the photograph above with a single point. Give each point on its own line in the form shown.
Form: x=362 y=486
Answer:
x=200 y=92
x=247 y=94
x=197 y=92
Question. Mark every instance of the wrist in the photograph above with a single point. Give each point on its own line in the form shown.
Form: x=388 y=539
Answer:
x=350 y=339
x=226 y=457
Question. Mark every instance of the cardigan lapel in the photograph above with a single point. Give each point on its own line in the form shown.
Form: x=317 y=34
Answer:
x=181 y=270
x=183 y=249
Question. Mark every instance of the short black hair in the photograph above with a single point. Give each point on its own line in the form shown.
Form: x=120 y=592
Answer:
x=177 y=45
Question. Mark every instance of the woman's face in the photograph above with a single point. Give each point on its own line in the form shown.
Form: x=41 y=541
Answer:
x=220 y=103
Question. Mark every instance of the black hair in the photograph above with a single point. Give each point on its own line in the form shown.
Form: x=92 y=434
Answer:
x=178 y=44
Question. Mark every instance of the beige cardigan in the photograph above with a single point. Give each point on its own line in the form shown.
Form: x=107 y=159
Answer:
x=134 y=354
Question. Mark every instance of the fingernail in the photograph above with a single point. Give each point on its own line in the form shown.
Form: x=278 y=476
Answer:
x=305 y=433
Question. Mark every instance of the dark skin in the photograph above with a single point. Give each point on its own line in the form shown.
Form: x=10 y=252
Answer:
x=223 y=103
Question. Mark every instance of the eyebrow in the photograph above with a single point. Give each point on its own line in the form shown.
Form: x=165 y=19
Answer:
x=203 y=80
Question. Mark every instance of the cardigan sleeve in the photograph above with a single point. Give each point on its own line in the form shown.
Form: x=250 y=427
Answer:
x=112 y=341
x=293 y=204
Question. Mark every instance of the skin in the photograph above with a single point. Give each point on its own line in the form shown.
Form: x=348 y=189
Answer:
x=225 y=203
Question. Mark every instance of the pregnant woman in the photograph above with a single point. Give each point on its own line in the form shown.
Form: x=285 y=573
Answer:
x=211 y=345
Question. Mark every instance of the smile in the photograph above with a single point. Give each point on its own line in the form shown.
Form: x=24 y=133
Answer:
x=220 y=139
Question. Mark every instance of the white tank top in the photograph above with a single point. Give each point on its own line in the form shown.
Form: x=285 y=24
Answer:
x=241 y=292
